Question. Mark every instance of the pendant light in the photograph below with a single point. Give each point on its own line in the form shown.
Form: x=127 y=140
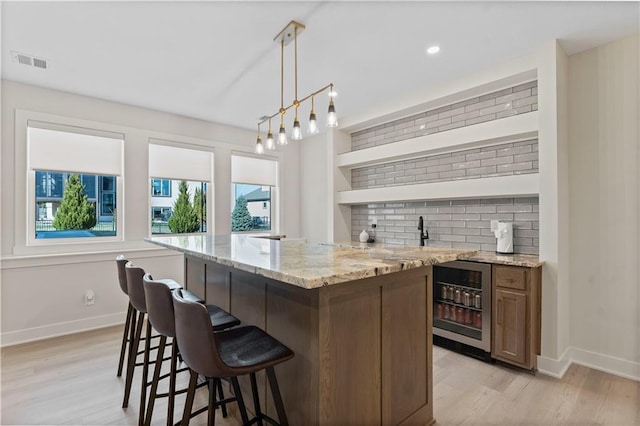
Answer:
x=296 y=133
x=332 y=118
x=313 y=124
x=270 y=142
x=259 y=145
x=288 y=34
x=282 y=134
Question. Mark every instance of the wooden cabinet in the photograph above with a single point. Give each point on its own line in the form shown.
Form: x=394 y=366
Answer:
x=516 y=315
x=363 y=348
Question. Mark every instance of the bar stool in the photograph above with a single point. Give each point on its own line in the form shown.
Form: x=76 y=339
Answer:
x=130 y=323
x=160 y=310
x=229 y=353
x=135 y=289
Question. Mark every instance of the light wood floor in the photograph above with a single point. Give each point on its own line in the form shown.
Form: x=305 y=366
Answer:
x=71 y=381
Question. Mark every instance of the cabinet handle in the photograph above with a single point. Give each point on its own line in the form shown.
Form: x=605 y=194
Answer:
x=499 y=311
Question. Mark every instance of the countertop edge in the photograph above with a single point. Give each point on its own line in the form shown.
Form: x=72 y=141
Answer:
x=311 y=283
x=524 y=260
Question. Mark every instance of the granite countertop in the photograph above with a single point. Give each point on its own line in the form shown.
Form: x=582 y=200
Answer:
x=307 y=265
x=527 y=260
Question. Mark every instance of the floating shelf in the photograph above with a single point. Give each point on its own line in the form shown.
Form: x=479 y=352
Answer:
x=510 y=129
x=491 y=187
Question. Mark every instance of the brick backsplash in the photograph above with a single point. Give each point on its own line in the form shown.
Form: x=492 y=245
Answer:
x=493 y=106
x=454 y=224
x=496 y=160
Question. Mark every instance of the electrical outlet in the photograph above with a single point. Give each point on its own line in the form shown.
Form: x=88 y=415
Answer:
x=89 y=298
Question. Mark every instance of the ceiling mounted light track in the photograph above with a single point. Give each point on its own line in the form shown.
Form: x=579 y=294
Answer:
x=288 y=34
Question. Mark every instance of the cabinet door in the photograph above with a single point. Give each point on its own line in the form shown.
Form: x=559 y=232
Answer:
x=510 y=326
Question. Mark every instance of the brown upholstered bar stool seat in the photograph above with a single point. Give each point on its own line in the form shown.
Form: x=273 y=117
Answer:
x=160 y=310
x=227 y=354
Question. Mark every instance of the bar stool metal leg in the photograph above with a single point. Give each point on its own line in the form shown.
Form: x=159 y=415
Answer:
x=131 y=361
x=188 y=405
x=156 y=379
x=256 y=398
x=145 y=373
x=223 y=405
x=211 y=412
x=172 y=382
x=277 y=398
x=125 y=339
x=238 y=394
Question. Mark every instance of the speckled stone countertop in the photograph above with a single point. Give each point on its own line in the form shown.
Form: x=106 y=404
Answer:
x=307 y=265
x=527 y=260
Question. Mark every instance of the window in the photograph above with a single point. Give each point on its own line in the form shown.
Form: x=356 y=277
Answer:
x=253 y=187
x=179 y=184
x=162 y=209
x=84 y=216
x=160 y=188
x=74 y=188
x=251 y=208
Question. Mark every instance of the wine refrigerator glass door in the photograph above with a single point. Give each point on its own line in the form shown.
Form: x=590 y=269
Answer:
x=462 y=303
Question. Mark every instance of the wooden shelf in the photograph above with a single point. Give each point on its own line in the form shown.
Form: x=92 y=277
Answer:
x=492 y=187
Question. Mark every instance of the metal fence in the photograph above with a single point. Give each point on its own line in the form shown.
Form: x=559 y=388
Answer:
x=47 y=225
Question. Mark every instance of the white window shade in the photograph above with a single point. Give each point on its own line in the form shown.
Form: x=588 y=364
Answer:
x=169 y=162
x=57 y=150
x=255 y=171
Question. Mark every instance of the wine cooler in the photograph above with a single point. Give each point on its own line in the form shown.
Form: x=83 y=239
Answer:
x=462 y=303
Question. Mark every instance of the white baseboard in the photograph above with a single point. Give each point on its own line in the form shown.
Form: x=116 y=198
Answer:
x=606 y=363
x=555 y=367
x=60 y=329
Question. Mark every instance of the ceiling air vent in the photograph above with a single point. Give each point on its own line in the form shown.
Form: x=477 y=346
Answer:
x=29 y=60
x=40 y=63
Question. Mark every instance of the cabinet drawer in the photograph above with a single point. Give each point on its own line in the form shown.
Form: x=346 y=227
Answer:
x=511 y=277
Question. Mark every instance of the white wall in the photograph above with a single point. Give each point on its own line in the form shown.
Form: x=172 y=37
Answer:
x=315 y=189
x=42 y=288
x=554 y=205
x=604 y=198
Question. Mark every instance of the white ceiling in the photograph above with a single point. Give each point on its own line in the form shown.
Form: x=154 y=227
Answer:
x=217 y=61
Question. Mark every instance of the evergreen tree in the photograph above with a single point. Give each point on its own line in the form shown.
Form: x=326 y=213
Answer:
x=200 y=206
x=75 y=212
x=183 y=218
x=241 y=218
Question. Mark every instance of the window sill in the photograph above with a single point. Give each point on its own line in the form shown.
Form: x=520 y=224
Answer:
x=65 y=258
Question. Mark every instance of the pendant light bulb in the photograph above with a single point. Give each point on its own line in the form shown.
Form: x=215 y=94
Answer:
x=332 y=118
x=282 y=135
x=270 y=142
x=313 y=123
x=259 y=146
x=296 y=133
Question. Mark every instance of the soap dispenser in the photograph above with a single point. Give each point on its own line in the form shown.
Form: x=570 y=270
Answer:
x=364 y=236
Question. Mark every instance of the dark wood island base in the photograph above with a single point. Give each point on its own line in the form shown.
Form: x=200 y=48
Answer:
x=363 y=348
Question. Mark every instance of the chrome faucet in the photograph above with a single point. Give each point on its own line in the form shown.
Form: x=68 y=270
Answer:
x=424 y=234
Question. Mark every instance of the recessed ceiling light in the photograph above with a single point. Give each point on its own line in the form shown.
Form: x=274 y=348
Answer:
x=432 y=50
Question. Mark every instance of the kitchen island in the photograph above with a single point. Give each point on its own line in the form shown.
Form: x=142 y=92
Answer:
x=358 y=318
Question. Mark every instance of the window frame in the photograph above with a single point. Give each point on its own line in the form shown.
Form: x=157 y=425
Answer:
x=27 y=238
x=274 y=210
x=209 y=193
